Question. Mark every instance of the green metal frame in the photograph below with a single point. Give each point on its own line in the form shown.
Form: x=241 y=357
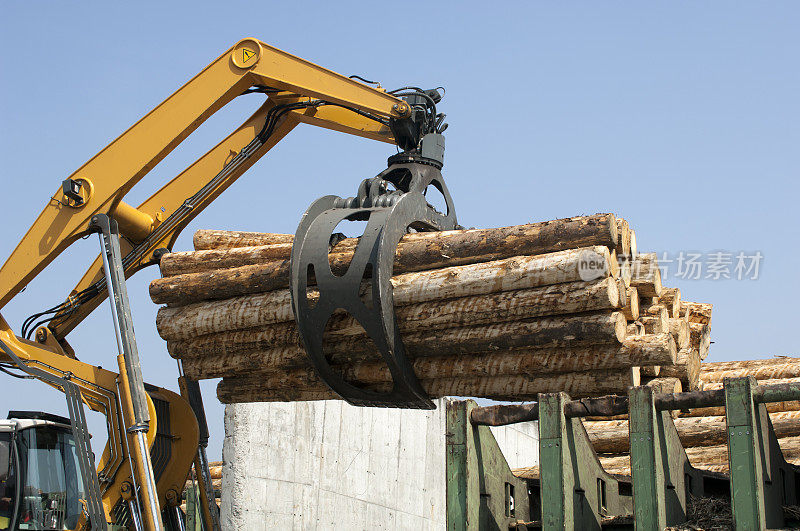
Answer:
x=576 y=493
x=572 y=481
x=662 y=474
x=482 y=493
x=761 y=479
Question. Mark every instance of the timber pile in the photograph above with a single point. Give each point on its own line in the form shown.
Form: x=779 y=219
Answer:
x=215 y=468
x=498 y=313
x=702 y=430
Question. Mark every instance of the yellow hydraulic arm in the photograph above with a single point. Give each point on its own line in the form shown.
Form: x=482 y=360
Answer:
x=298 y=91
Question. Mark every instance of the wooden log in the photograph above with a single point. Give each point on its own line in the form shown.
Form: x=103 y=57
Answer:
x=270 y=346
x=686 y=369
x=415 y=252
x=708 y=386
x=181 y=263
x=680 y=332
x=612 y=436
x=623 y=247
x=646 y=276
x=700 y=338
x=655 y=309
x=655 y=324
x=260 y=309
x=625 y=273
x=634 y=329
x=711 y=458
x=664 y=384
x=230 y=239
x=772 y=407
x=493 y=309
x=670 y=298
x=634 y=248
x=578 y=385
x=697 y=312
x=640 y=351
x=775 y=371
x=772 y=369
x=631 y=309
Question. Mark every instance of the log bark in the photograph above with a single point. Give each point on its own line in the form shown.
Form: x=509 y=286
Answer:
x=697 y=312
x=686 y=369
x=700 y=338
x=670 y=298
x=415 y=252
x=578 y=385
x=646 y=276
x=631 y=309
x=706 y=386
x=774 y=369
x=645 y=352
x=181 y=263
x=772 y=407
x=612 y=436
x=680 y=333
x=711 y=458
x=258 y=309
x=229 y=239
x=269 y=347
x=505 y=313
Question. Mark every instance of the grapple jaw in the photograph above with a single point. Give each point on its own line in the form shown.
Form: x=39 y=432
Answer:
x=392 y=203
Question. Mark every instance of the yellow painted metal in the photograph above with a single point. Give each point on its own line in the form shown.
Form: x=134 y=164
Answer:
x=133 y=223
x=102 y=394
x=111 y=174
x=121 y=164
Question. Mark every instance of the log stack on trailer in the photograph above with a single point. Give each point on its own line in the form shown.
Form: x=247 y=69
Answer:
x=702 y=431
x=564 y=305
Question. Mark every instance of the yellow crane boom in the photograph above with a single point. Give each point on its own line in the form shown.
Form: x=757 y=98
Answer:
x=297 y=91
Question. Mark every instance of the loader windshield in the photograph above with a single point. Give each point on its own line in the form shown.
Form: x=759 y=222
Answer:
x=52 y=486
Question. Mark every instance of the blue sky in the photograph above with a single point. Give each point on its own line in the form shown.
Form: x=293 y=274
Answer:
x=679 y=116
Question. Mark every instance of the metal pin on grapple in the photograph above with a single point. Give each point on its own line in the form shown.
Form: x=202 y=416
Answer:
x=390 y=214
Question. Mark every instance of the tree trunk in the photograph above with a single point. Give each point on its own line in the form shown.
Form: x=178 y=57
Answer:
x=631 y=309
x=623 y=239
x=686 y=369
x=276 y=347
x=229 y=239
x=655 y=324
x=680 y=332
x=773 y=369
x=558 y=299
x=309 y=387
x=641 y=351
x=416 y=252
x=697 y=312
x=646 y=276
x=612 y=436
x=700 y=338
x=670 y=298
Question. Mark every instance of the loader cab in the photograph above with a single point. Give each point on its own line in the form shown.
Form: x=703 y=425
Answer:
x=40 y=482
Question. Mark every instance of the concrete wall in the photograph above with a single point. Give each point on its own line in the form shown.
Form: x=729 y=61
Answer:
x=329 y=465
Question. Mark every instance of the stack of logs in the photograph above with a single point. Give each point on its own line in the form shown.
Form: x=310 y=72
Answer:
x=499 y=313
x=215 y=469
x=702 y=431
